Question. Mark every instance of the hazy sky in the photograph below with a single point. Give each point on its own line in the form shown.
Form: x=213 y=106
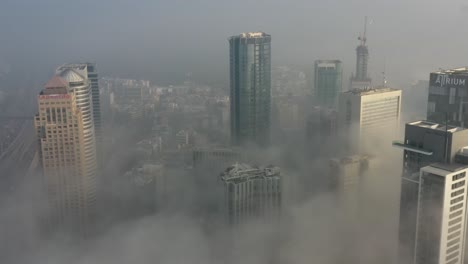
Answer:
x=156 y=39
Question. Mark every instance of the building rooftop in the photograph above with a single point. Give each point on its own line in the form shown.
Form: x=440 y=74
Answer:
x=350 y=159
x=71 y=76
x=258 y=34
x=78 y=66
x=241 y=172
x=436 y=126
x=370 y=91
x=452 y=167
x=326 y=63
x=56 y=82
x=461 y=71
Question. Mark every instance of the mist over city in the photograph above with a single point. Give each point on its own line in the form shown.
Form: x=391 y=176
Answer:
x=256 y=132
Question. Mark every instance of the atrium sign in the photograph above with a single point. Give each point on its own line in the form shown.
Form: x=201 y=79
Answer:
x=447 y=80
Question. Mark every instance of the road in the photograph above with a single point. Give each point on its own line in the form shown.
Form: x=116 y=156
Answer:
x=16 y=160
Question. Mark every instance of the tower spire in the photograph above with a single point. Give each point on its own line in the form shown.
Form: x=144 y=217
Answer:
x=363 y=38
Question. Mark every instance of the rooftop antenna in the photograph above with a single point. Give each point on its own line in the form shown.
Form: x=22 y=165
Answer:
x=384 y=77
x=363 y=38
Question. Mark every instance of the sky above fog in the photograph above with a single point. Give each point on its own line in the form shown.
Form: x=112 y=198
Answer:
x=157 y=39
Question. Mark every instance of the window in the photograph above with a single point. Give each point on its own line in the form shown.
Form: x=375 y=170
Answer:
x=458 y=185
x=456 y=200
x=458 y=213
x=452 y=93
x=450 y=250
x=453 y=242
x=456 y=221
x=458 y=176
x=431 y=107
x=453 y=261
x=455 y=228
x=456 y=193
x=451 y=256
x=454 y=235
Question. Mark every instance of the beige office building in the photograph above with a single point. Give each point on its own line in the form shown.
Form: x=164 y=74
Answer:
x=369 y=118
x=65 y=131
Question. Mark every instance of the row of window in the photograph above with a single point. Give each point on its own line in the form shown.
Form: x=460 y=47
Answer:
x=458 y=185
x=455 y=221
x=456 y=193
x=458 y=176
x=456 y=200
x=456 y=207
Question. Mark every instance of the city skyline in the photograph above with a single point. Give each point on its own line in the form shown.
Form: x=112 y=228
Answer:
x=240 y=151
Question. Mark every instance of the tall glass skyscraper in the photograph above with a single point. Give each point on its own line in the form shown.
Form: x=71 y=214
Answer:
x=327 y=82
x=250 y=81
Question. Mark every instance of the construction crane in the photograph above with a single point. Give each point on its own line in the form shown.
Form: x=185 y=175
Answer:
x=363 y=37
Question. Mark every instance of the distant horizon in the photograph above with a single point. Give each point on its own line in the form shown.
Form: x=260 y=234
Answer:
x=145 y=39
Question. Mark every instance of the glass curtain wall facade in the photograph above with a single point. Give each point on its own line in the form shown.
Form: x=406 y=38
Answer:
x=250 y=85
x=327 y=82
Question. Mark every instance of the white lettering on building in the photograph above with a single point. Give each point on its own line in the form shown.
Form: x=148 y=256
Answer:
x=443 y=80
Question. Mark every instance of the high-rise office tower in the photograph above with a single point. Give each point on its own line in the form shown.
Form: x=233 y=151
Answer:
x=65 y=131
x=252 y=192
x=346 y=175
x=425 y=143
x=250 y=82
x=145 y=189
x=361 y=79
x=321 y=129
x=441 y=214
x=89 y=72
x=327 y=82
x=347 y=182
x=365 y=117
x=448 y=99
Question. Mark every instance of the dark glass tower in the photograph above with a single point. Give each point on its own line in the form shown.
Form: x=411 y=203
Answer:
x=447 y=101
x=250 y=82
x=327 y=82
x=362 y=58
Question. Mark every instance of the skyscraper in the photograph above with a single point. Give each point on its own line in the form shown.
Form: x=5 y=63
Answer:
x=327 y=82
x=441 y=214
x=346 y=176
x=425 y=143
x=252 y=192
x=361 y=80
x=347 y=180
x=250 y=82
x=89 y=72
x=366 y=116
x=65 y=131
x=448 y=99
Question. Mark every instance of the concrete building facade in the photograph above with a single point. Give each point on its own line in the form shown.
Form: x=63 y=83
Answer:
x=252 y=193
x=366 y=116
x=65 y=131
x=441 y=214
x=89 y=72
